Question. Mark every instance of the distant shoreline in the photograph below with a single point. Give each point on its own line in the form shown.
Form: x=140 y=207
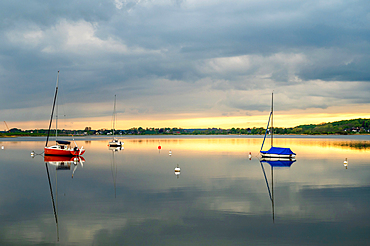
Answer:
x=343 y=127
x=174 y=135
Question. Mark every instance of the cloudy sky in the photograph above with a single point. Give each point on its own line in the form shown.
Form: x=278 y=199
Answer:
x=184 y=63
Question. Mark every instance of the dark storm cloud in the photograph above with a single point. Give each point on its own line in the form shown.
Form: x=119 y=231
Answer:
x=46 y=13
x=213 y=48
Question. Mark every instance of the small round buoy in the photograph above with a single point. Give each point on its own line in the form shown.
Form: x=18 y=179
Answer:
x=177 y=170
x=159 y=147
x=32 y=153
x=345 y=163
x=2 y=147
x=250 y=156
x=170 y=153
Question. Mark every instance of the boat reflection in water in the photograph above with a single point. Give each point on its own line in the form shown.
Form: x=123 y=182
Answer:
x=60 y=163
x=274 y=162
x=114 y=166
x=116 y=149
x=65 y=162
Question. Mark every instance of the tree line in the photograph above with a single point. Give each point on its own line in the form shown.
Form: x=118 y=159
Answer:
x=344 y=127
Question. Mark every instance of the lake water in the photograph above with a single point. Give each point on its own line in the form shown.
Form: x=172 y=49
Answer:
x=220 y=197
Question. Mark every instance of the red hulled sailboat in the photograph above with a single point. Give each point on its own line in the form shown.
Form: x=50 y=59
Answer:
x=61 y=148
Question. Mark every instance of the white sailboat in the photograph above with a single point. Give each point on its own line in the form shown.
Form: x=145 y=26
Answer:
x=115 y=142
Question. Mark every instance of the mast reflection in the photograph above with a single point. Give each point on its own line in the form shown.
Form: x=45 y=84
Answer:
x=52 y=199
x=114 y=166
x=274 y=162
x=60 y=163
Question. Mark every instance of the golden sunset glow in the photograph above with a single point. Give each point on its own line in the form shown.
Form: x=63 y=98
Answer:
x=226 y=122
x=236 y=146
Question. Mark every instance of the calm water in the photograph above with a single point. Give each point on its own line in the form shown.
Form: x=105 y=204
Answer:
x=133 y=197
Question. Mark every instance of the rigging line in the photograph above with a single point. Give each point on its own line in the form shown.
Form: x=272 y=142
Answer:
x=62 y=120
x=272 y=118
x=52 y=111
x=62 y=107
x=264 y=138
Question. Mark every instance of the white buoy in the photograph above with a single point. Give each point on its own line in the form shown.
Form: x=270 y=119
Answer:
x=170 y=153
x=2 y=147
x=32 y=153
x=250 y=156
x=177 y=171
x=345 y=163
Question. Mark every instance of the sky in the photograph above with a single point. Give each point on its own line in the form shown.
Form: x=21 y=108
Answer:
x=183 y=63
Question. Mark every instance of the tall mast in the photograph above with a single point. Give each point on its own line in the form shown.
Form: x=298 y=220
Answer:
x=114 y=115
x=52 y=110
x=56 y=113
x=272 y=119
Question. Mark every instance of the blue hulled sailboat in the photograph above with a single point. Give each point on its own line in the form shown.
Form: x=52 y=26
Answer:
x=274 y=152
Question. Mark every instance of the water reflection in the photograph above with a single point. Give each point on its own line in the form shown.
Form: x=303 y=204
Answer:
x=65 y=162
x=52 y=197
x=221 y=200
x=345 y=163
x=177 y=171
x=274 y=162
x=60 y=163
x=114 y=166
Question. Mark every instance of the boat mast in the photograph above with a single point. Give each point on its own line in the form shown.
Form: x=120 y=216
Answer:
x=114 y=115
x=272 y=119
x=52 y=110
x=56 y=115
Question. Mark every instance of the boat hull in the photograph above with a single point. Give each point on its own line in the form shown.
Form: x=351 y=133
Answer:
x=62 y=158
x=278 y=152
x=277 y=156
x=62 y=152
x=115 y=143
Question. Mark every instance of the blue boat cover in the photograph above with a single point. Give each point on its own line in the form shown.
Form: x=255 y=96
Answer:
x=279 y=163
x=278 y=151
